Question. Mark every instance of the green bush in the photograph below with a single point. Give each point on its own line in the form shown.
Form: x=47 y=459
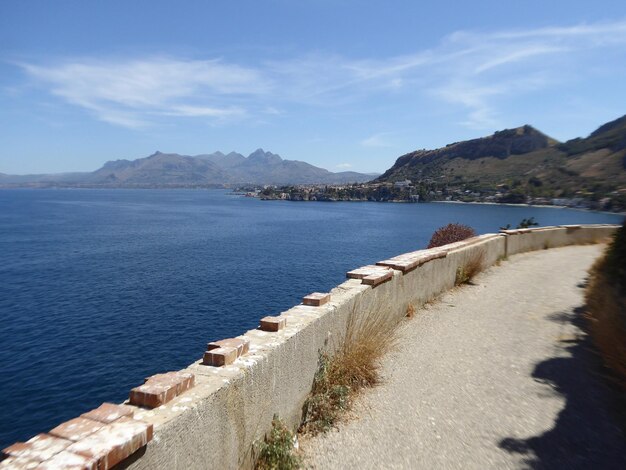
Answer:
x=276 y=452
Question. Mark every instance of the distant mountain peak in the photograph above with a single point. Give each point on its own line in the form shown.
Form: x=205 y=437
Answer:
x=261 y=156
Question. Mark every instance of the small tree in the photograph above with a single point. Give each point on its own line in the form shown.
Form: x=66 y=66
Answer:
x=449 y=234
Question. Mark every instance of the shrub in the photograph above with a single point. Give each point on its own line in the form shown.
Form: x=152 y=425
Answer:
x=606 y=305
x=327 y=400
x=276 y=452
x=355 y=366
x=449 y=234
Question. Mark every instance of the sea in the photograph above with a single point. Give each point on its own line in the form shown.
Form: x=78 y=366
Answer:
x=101 y=288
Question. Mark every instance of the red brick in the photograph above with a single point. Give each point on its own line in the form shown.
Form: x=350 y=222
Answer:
x=400 y=264
x=69 y=461
x=219 y=357
x=108 y=412
x=241 y=344
x=316 y=299
x=76 y=429
x=376 y=279
x=365 y=271
x=273 y=323
x=152 y=395
x=19 y=463
x=114 y=442
x=182 y=380
x=41 y=447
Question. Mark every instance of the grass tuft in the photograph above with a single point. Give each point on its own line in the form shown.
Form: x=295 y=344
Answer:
x=410 y=311
x=277 y=451
x=467 y=272
x=475 y=265
x=354 y=367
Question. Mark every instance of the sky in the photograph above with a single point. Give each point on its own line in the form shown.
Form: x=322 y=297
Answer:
x=341 y=84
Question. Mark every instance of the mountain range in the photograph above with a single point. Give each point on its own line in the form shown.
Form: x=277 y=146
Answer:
x=174 y=170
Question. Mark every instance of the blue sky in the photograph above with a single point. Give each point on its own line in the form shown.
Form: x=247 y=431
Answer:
x=341 y=84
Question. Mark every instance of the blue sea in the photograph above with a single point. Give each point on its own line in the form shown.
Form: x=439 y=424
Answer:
x=101 y=288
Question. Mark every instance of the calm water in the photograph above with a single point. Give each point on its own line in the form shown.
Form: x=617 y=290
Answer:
x=100 y=288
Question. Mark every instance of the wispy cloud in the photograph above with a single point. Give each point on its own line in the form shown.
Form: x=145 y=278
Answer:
x=344 y=165
x=473 y=71
x=376 y=141
x=131 y=92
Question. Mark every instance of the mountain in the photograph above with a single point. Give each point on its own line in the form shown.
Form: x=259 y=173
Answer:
x=500 y=146
x=159 y=169
x=522 y=163
x=261 y=167
x=215 y=169
x=224 y=161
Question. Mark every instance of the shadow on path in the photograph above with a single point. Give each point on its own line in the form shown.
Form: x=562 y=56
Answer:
x=586 y=433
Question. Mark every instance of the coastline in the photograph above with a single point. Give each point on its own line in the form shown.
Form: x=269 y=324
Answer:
x=545 y=206
x=400 y=201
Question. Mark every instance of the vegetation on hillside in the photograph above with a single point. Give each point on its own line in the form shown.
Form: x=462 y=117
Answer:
x=522 y=165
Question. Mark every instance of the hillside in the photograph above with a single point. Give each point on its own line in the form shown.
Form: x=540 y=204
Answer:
x=174 y=170
x=517 y=164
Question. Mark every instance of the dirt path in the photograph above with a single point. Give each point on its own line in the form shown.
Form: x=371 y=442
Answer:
x=493 y=375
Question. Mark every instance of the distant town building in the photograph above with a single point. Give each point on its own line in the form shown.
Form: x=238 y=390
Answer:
x=402 y=184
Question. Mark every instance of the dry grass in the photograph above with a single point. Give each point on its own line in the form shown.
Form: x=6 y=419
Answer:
x=467 y=272
x=606 y=306
x=410 y=311
x=354 y=367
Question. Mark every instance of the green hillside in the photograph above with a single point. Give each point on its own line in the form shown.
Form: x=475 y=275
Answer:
x=523 y=165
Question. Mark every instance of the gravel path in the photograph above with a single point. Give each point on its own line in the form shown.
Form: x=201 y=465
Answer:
x=493 y=375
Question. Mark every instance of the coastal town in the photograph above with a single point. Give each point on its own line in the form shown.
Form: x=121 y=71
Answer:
x=410 y=192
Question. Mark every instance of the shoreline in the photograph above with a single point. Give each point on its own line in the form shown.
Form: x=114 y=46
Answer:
x=545 y=206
